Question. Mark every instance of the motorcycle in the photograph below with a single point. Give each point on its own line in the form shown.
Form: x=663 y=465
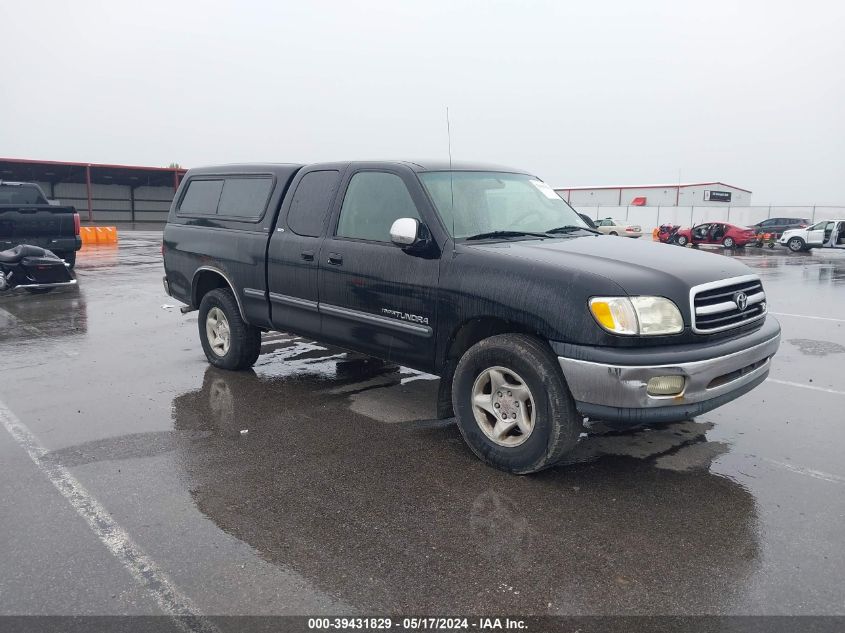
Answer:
x=34 y=269
x=668 y=233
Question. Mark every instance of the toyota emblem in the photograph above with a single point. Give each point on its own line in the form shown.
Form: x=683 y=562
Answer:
x=741 y=300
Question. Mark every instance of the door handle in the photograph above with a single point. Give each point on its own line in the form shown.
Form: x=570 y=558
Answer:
x=308 y=256
x=335 y=259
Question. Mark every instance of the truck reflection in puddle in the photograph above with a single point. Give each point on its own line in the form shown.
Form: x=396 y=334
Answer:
x=332 y=465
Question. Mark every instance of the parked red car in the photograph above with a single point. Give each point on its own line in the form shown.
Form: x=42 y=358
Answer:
x=728 y=235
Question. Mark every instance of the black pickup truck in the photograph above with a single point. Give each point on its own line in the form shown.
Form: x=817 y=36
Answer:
x=481 y=275
x=27 y=217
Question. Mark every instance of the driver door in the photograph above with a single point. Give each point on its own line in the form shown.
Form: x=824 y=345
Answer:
x=372 y=292
x=816 y=233
x=699 y=234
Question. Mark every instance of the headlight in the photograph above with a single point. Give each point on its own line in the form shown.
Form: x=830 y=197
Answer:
x=648 y=316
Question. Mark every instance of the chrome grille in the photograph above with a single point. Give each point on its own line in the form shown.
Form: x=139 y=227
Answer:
x=714 y=306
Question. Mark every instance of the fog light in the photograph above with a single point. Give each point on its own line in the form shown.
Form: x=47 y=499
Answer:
x=665 y=385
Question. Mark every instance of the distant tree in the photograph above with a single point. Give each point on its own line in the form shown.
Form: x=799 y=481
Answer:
x=174 y=166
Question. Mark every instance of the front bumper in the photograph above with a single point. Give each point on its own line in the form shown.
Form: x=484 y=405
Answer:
x=616 y=391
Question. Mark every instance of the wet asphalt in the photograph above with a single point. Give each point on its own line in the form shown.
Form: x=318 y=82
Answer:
x=319 y=482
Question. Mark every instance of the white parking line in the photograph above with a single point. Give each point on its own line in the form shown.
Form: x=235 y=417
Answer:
x=26 y=327
x=807 y=316
x=140 y=566
x=809 y=472
x=803 y=386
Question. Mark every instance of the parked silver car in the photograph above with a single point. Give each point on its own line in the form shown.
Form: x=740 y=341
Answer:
x=611 y=226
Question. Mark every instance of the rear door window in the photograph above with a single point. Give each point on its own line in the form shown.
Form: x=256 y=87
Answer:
x=311 y=202
x=201 y=197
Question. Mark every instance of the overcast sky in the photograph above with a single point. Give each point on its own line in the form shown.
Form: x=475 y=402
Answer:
x=749 y=93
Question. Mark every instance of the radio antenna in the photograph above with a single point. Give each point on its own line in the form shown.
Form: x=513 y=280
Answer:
x=449 y=137
x=451 y=175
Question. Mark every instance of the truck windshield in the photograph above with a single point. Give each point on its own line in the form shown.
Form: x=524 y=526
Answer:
x=20 y=194
x=473 y=203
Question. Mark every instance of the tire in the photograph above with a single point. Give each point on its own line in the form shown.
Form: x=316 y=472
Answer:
x=728 y=242
x=614 y=233
x=796 y=244
x=69 y=257
x=238 y=343
x=682 y=240
x=523 y=362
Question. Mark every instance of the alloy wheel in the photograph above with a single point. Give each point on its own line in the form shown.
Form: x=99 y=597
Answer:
x=217 y=331
x=503 y=406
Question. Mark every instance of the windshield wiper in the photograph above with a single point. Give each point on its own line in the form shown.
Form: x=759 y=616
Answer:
x=494 y=234
x=571 y=227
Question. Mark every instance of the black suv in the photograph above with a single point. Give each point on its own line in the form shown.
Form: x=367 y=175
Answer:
x=779 y=225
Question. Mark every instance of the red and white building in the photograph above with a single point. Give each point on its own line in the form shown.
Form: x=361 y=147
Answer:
x=690 y=194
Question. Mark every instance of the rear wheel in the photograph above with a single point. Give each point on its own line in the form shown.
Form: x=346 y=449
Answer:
x=228 y=341
x=512 y=404
x=614 y=233
x=728 y=242
x=796 y=244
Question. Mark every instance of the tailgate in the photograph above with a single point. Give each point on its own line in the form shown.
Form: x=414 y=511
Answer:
x=34 y=224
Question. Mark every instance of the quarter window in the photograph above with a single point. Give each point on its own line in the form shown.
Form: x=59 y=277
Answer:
x=373 y=201
x=311 y=201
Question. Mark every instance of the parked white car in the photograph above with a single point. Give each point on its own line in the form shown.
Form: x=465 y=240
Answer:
x=611 y=226
x=816 y=236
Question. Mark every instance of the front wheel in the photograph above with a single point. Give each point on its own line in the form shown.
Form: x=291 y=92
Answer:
x=228 y=341
x=513 y=407
x=682 y=240
x=795 y=244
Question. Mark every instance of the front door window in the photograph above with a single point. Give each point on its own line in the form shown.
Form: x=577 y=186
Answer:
x=374 y=201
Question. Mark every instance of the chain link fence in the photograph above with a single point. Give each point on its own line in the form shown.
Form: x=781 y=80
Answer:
x=650 y=217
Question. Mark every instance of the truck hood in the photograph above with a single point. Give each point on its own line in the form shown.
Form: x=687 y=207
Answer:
x=639 y=267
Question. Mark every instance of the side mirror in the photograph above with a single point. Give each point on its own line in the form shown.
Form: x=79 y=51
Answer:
x=407 y=232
